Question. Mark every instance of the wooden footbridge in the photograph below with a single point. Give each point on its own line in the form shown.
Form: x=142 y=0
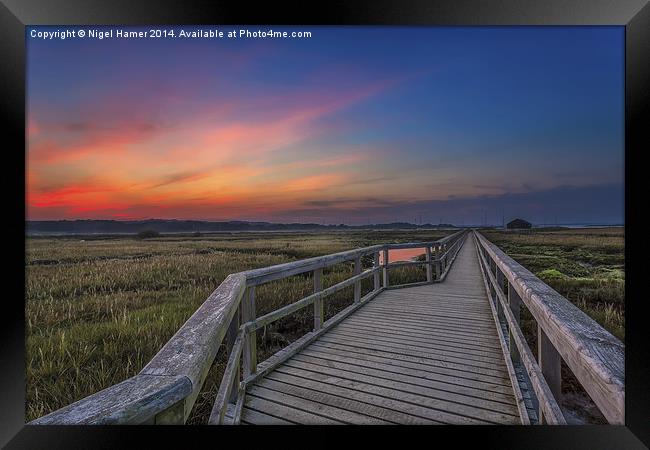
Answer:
x=447 y=350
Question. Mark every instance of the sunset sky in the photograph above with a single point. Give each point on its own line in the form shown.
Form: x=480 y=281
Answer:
x=354 y=125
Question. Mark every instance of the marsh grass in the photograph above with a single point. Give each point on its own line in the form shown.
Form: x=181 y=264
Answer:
x=587 y=266
x=98 y=309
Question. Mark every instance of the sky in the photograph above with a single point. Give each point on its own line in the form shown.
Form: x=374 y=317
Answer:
x=354 y=125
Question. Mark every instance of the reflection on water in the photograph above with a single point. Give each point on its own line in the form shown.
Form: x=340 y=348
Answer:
x=401 y=254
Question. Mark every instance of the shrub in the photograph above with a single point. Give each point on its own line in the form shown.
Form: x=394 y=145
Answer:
x=146 y=234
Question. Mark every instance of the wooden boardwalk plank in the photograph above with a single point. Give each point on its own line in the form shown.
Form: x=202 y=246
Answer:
x=455 y=404
x=426 y=337
x=449 y=382
x=448 y=376
x=315 y=404
x=455 y=370
x=433 y=341
x=428 y=354
x=454 y=393
x=278 y=409
x=398 y=342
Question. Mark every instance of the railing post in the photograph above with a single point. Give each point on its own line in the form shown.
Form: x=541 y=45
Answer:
x=515 y=305
x=429 y=268
x=319 y=317
x=231 y=335
x=174 y=415
x=250 y=341
x=385 y=271
x=376 y=275
x=492 y=287
x=499 y=279
x=357 y=284
x=550 y=364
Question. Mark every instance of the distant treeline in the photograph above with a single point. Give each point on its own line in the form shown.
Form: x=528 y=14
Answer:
x=190 y=226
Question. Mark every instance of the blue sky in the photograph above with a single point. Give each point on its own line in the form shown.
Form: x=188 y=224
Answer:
x=354 y=125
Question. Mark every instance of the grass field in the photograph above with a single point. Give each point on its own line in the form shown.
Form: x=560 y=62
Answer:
x=98 y=309
x=587 y=266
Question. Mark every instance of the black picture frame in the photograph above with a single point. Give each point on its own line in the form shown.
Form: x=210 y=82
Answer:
x=634 y=15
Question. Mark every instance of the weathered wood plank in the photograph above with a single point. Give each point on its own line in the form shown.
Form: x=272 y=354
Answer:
x=229 y=381
x=440 y=341
x=266 y=274
x=312 y=401
x=425 y=407
x=452 y=341
x=466 y=377
x=370 y=404
x=502 y=393
x=463 y=370
x=438 y=347
x=430 y=322
x=250 y=338
x=357 y=284
x=251 y=416
x=319 y=314
x=133 y=401
x=550 y=364
x=460 y=394
x=385 y=269
x=453 y=403
x=282 y=411
x=424 y=313
x=377 y=282
x=446 y=330
x=405 y=350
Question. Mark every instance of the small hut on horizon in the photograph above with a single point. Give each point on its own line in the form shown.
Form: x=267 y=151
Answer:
x=519 y=224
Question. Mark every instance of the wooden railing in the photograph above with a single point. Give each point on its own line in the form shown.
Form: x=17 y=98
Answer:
x=595 y=356
x=165 y=390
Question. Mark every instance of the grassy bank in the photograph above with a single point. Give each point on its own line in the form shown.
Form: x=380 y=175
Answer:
x=587 y=266
x=97 y=310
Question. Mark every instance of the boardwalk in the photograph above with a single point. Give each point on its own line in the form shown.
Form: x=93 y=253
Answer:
x=444 y=350
x=421 y=355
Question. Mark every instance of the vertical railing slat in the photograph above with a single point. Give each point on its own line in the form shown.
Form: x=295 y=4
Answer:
x=319 y=317
x=385 y=270
x=250 y=342
x=515 y=306
x=233 y=329
x=550 y=363
x=357 y=284
x=376 y=279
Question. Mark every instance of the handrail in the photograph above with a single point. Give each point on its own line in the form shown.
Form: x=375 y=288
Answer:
x=593 y=354
x=166 y=389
